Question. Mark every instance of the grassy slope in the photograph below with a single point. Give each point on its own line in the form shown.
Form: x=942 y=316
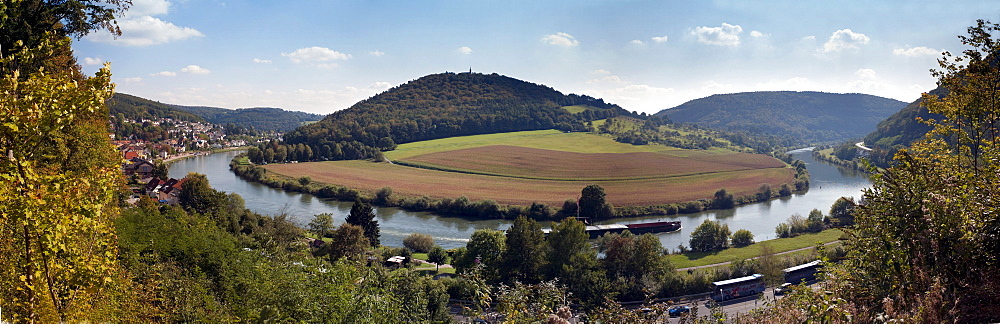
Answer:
x=694 y=259
x=579 y=108
x=543 y=139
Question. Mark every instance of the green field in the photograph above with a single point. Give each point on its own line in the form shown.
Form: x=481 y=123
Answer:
x=696 y=259
x=542 y=139
x=580 y=108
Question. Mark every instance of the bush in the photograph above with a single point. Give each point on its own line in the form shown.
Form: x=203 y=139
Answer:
x=783 y=230
x=691 y=207
x=419 y=242
x=382 y=196
x=710 y=236
x=764 y=192
x=742 y=238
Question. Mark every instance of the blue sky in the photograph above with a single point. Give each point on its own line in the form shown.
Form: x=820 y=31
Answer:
x=323 y=56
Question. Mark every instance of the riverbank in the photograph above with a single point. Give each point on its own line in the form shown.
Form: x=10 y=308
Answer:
x=693 y=260
x=185 y=155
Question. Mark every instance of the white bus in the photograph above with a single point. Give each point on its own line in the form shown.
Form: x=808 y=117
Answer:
x=738 y=287
x=807 y=272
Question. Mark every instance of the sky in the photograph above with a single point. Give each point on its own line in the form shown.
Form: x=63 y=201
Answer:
x=646 y=56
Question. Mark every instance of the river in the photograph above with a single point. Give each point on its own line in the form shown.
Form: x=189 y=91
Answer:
x=828 y=184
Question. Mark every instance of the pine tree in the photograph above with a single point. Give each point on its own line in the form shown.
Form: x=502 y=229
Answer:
x=362 y=214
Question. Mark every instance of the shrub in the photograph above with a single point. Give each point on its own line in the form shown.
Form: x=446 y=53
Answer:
x=382 y=196
x=419 y=242
x=783 y=230
x=742 y=238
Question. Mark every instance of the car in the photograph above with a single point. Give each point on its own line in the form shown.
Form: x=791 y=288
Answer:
x=781 y=290
x=678 y=311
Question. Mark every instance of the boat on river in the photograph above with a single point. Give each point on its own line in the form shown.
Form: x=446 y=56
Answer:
x=596 y=231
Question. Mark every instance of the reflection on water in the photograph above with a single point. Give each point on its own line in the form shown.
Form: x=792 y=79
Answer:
x=828 y=184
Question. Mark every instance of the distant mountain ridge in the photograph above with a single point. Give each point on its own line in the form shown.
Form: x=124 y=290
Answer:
x=132 y=107
x=446 y=105
x=809 y=117
x=263 y=119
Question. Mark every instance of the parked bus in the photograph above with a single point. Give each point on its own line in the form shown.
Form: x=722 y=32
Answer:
x=739 y=287
x=806 y=272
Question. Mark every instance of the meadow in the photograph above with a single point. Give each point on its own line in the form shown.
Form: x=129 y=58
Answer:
x=550 y=167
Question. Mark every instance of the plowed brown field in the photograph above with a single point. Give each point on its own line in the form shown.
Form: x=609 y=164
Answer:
x=409 y=181
x=533 y=163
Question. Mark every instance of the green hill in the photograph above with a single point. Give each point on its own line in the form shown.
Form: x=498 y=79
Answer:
x=899 y=130
x=446 y=105
x=808 y=117
x=130 y=107
x=264 y=119
x=133 y=108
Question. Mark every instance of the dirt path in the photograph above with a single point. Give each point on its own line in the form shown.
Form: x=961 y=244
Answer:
x=728 y=262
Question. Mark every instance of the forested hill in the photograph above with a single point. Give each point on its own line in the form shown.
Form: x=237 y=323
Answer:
x=808 y=117
x=446 y=105
x=130 y=107
x=264 y=119
x=902 y=128
x=899 y=130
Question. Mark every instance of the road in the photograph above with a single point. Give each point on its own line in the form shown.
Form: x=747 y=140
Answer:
x=730 y=307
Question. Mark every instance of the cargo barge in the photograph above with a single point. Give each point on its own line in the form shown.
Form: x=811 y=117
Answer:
x=596 y=231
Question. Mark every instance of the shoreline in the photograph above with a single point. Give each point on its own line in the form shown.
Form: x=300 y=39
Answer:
x=186 y=155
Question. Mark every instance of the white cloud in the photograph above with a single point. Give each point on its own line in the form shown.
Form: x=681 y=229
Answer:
x=636 y=42
x=132 y=80
x=756 y=34
x=561 y=39
x=141 y=8
x=845 y=39
x=636 y=97
x=376 y=53
x=465 y=50
x=868 y=86
x=916 y=51
x=612 y=79
x=92 y=61
x=261 y=61
x=194 y=69
x=865 y=73
x=726 y=35
x=600 y=71
x=145 y=31
x=793 y=83
x=316 y=55
x=165 y=73
x=660 y=39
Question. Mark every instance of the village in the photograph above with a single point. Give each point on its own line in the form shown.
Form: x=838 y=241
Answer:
x=147 y=147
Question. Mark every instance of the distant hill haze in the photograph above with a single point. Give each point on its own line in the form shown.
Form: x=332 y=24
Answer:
x=809 y=117
x=263 y=119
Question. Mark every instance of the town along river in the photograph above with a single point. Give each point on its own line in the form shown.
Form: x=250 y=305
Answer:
x=828 y=184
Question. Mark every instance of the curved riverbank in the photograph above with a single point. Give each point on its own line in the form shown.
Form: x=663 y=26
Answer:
x=827 y=184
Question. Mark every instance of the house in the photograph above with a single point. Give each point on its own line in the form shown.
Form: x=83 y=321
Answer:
x=140 y=167
x=165 y=191
x=171 y=191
